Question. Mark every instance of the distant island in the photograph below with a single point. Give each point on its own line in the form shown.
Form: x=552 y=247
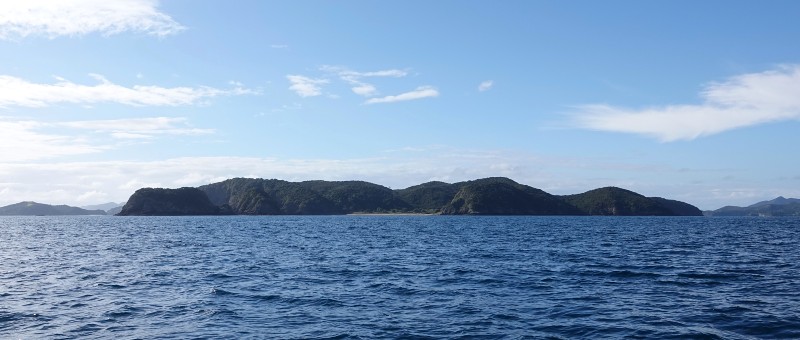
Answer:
x=779 y=206
x=28 y=208
x=488 y=196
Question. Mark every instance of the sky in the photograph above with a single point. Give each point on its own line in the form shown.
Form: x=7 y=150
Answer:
x=691 y=100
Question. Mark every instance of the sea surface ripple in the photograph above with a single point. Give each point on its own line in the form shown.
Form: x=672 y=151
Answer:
x=388 y=277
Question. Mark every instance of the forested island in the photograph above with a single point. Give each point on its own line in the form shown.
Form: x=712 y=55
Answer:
x=488 y=196
x=28 y=208
x=779 y=206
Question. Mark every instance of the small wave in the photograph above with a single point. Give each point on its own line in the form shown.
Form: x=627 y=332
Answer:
x=266 y=297
x=121 y=312
x=111 y=285
x=220 y=291
x=708 y=276
x=624 y=274
x=218 y=276
x=337 y=337
x=632 y=274
x=11 y=317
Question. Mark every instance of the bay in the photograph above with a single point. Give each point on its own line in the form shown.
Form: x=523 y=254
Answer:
x=374 y=277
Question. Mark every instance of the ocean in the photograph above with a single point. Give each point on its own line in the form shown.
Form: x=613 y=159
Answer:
x=399 y=277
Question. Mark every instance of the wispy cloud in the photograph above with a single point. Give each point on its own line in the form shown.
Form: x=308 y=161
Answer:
x=485 y=86
x=139 y=128
x=354 y=78
x=349 y=74
x=30 y=140
x=20 y=141
x=54 y=18
x=279 y=46
x=365 y=90
x=737 y=102
x=19 y=92
x=305 y=86
x=418 y=93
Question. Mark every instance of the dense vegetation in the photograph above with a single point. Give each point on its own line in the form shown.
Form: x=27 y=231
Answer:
x=778 y=207
x=621 y=202
x=502 y=196
x=164 y=202
x=428 y=197
x=39 y=209
x=488 y=196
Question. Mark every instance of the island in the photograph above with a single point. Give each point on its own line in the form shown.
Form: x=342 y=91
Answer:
x=779 y=206
x=487 y=196
x=29 y=208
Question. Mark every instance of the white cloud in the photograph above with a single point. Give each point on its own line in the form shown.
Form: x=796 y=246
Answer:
x=130 y=135
x=354 y=78
x=19 y=92
x=53 y=18
x=740 y=101
x=350 y=75
x=19 y=141
x=365 y=90
x=418 y=93
x=28 y=140
x=305 y=86
x=485 y=86
x=139 y=128
x=119 y=179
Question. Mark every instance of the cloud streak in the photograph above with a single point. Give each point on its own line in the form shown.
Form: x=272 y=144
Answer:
x=485 y=86
x=305 y=86
x=740 y=101
x=19 y=92
x=354 y=78
x=418 y=93
x=20 y=141
x=54 y=18
x=29 y=140
x=139 y=128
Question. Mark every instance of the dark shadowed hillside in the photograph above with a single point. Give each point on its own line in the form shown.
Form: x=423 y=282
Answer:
x=502 y=196
x=428 y=197
x=678 y=208
x=164 y=202
x=620 y=202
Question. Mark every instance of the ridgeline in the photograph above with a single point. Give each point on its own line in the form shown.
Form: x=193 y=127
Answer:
x=777 y=207
x=488 y=196
x=28 y=208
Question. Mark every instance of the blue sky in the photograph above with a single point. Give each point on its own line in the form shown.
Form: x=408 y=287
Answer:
x=696 y=101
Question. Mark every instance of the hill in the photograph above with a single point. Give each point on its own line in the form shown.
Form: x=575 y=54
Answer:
x=488 y=196
x=165 y=202
x=502 y=196
x=39 y=209
x=620 y=202
x=779 y=206
x=428 y=197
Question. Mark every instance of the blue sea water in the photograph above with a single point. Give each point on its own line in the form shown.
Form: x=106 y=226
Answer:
x=412 y=277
